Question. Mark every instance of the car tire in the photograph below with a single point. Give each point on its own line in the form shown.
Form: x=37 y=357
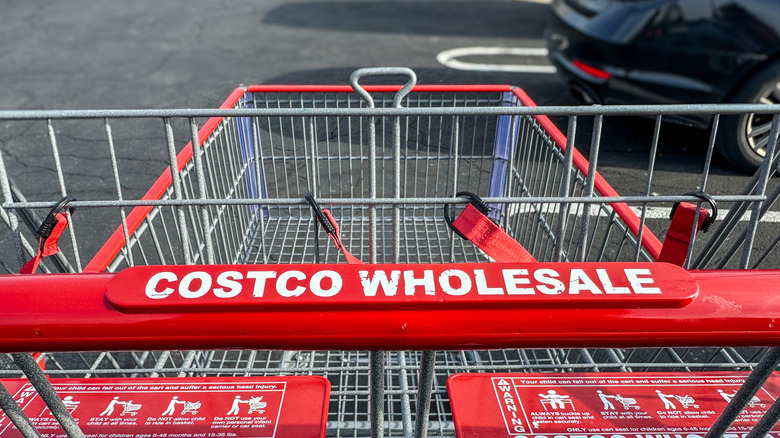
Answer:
x=742 y=138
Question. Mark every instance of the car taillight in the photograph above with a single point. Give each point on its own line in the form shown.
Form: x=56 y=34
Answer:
x=591 y=70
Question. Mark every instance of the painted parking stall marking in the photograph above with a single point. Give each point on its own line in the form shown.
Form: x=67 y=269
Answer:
x=180 y=408
x=240 y=288
x=529 y=57
x=601 y=405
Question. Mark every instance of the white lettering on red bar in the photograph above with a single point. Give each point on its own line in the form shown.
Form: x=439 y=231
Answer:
x=454 y=282
x=282 y=284
x=411 y=282
x=260 y=278
x=319 y=290
x=637 y=284
x=446 y=283
x=370 y=285
x=548 y=277
x=229 y=287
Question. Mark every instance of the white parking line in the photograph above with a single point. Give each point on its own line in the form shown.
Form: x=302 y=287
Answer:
x=450 y=57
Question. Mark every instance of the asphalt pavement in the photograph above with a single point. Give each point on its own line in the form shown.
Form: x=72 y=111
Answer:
x=191 y=54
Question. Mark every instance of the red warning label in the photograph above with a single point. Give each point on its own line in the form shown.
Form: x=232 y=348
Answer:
x=180 y=408
x=618 y=405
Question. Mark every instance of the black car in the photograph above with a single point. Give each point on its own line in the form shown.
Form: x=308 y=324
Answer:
x=675 y=51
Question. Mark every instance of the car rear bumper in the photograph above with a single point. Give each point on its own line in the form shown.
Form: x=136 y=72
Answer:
x=615 y=69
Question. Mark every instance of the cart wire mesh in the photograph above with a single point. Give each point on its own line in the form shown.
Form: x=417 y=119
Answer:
x=384 y=172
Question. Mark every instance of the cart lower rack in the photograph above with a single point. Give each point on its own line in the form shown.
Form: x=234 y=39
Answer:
x=216 y=303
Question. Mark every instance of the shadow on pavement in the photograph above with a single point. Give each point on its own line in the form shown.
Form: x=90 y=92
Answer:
x=625 y=141
x=509 y=19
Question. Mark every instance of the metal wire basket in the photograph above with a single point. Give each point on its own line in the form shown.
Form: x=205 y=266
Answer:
x=384 y=160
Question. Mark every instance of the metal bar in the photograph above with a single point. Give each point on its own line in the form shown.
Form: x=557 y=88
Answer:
x=703 y=188
x=767 y=421
x=160 y=364
x=582 y=242
x=197 y=155
x=454 y=162
x=63 y=191
x=46 y=391
x=127 y=250
x=56 y=156
x=17 y=415
x=752 y=384
x=648 y=187
x=731 y=220
x=372 y=193
x=310 y=151
x=260 y=173
x=611 y=110
x=377 y=396
x=770 y=249
x=396 y=218
x=764 y=174
x=710 y=149
x=184 y=238
x=223 y=369
x=406 y=410
x=13 y=221
x=425 y=388
x=385 y=201
x=563 y=214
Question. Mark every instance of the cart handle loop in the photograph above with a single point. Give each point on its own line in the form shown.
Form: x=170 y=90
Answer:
x=710 y=219
x=474 y=200
x=326 y=223
x=48 y=224
x=383 y=71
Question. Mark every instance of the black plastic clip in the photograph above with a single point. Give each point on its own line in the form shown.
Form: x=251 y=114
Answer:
x=711 y=216
x=476 y=201
x=48 y=224
x=326 y=223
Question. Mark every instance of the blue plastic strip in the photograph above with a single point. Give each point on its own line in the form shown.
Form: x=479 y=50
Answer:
x=246 y=139
x=501 y=151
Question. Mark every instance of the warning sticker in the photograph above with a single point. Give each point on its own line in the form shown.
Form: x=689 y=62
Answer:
x=620 y=405
x=180 y=408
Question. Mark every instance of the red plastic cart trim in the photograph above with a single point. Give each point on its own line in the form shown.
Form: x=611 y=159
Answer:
x=678 y=235
x=114 y=244
x=375 y=88
x=261 y=288
x=605 y=405
x=732 y=308
x=649 y=241
x=269 y=407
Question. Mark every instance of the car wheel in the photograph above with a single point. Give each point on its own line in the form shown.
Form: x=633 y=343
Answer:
x=742 y=139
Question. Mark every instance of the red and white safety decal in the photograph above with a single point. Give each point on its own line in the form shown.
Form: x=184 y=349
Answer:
x=180 y=408
x=266 y=287
x=601 y=405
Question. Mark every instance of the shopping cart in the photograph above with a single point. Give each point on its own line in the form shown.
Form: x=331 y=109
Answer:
x=167 y=297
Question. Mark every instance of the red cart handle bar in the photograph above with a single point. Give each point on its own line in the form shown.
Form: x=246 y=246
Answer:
x=447 y=306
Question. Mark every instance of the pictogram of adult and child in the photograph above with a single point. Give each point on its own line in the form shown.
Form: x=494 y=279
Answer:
x=255 y=404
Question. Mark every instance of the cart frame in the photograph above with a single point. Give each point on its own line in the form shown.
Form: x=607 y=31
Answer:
x=702 y=322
